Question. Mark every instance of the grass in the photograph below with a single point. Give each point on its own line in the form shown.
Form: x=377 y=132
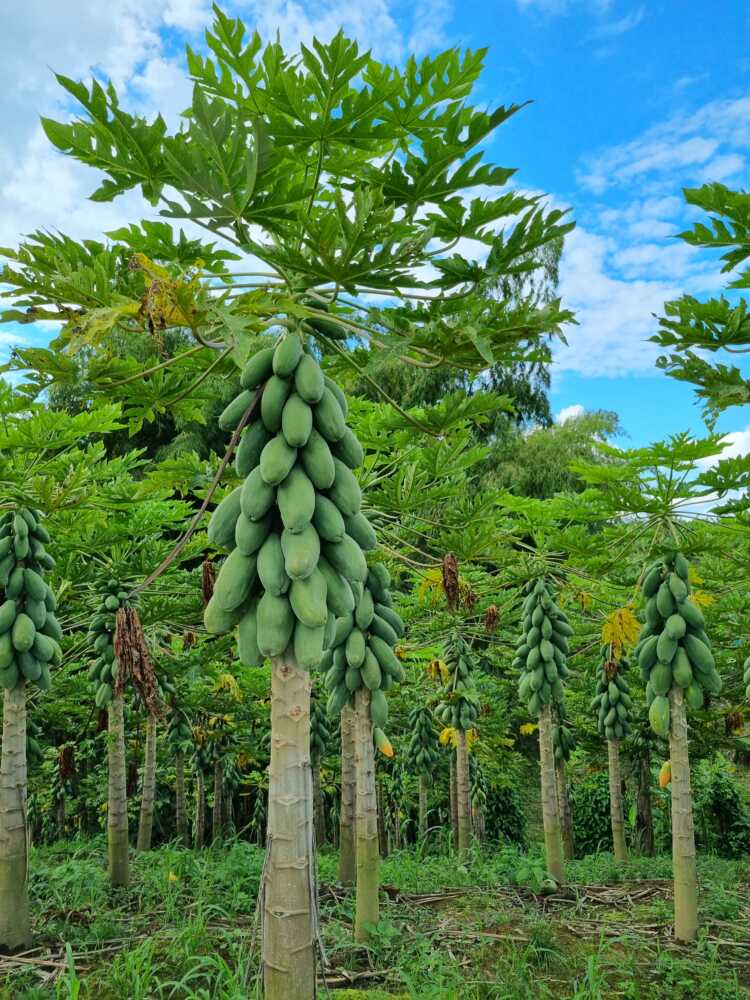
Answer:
x=184 y=929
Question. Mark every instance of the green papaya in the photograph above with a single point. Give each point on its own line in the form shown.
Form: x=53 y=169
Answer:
x=14 y=588
x=287 y=355
x=363 y=533
x=652 y=581
x=308 y=599
x=681 y=669
x=328 y=417
x=275 y=395
x=7 y=615
x=23 y=633
x=276 y=460
x=665 y=602
x=271 y=566
x=42 y=648
x=218 y=621
x=700 y=655
x=250 y=535
x=301 y=552
x=666 y=647
x=235 y=581
x=648 y=655
x=385 y=656
x=308 y=379
x=337 y=699
x=328 y=520
x=658 y=715
x=370 y=671
x=678 y=587
x=381 y=628
x=317 y=461
x=348 y=449
x=694 y=696
x=347 y=558
x=258 y=369
x=692 y=614
x=345 y=491
x=308 y=645
x=378 y=708
x=355 y=648
x=103 y=695
x=296 y=421
x=393 y=619
x=295 y=498
x=275 y=623
x=34 y=585
x=711 y=681
x=344 y=625
x=37 y=612
x=29 y=666
x=338 y=394
x=339 y=594
x=223 y=521
x=660 y=678
x=365 y=612
x=681 y=566
x=256 y=496
x=233 y=413
x=675 y=625
x=253 y=441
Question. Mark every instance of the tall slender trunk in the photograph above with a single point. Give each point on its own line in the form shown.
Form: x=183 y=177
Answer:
x=179 y=797
x=422 y=807
x=367 y=910
x=563 y=809
x=318 y=810
x=453 y=799
x=347 y=838
x=148 y=793
x=200 y=809
x=288 y=902
x=216 y=819
x=550 y=817
x=463 y=793
x=615 y=802
x=117 y=797
x=644 y=808
x=683 y=836
x=15 y=921
x=231 y=828
x=384 y=839
x=61 y=815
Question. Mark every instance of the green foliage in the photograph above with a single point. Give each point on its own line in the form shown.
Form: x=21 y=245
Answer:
x=590 y=813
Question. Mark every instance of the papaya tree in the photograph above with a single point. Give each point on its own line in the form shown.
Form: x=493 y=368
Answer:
x=366 y=180
x=347 y=866
x=613 y=706
x=423 y=756
x=563 y=744
x=320 y=735
x=541 y=658
x=179 y=738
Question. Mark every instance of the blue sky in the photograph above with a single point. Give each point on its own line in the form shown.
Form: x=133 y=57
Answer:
x=632 y=101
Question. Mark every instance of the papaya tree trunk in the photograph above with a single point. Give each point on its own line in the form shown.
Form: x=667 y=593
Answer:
x=563 y=807
x=550 y=817
x=61 y=815
x=216 y=819
x=288 y=904
x=15 y=921
x=644 y=807
x=463 y=793
x=318 y=810
x=422 y=807
x=200 y=809
x=367 y=910
x=683 y=836
x=117 y=796
x=453 y=800
x=615 y=802
x=383 y=834
x=179 y=797
x=347 y=838
x=148 y=793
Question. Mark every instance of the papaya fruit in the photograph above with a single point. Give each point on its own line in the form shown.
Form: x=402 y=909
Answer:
x=37 y=612
x=365 y=611
x=235 y=581
x=381 y=628
x=34 y=585
x=393 y=619
x=652 y=581
x=301 y=552
x=253 y=441
x=692 y=614
x=308 y=645
x=308 y=379
x=678 y=587
x=257 y=369
x=7 y=615
x=317 y=461
x=666 y=647
x=29 y=666
x=648 y=655
x=250 y=535
x=370 y=671
x=361 y=531
x=308 y=599
x=345 y=491
x=218 y=621
x=42 y=648
x=287 y=355
x=347 y=558
x=274 y=396
x=378 y=708
x=338 y=395
x=661 y=678
x=658 y=715
x=276 y=460
x=675 y=626
x=681 y=566
x=384 y=655
x=353 y=679
x=355 y=648
x=296 y=421
x=275 y=623
x=221 y=527
x=348 y=449
x=247 y=638
x=295 y=498
x=328 y=417
x=271 y=566
x=339 y=594
x=256 y=497
x=665 y=602
x=328 y=520
x=233 y=413
x=700 y=655
x=681 y=669
x=344 y=625
x=23 y=633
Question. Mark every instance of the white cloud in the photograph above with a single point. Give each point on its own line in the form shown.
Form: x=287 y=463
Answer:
x=564 y=6
x=571 y=412
x=737 y=443
x=612 y=29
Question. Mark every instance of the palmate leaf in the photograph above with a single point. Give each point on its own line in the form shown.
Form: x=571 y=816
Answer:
x=732 y=235
x=158 y=242
x=48 y=431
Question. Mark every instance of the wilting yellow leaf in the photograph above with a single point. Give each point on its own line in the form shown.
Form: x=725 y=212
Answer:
x=528 y=728
x=227 y=683
x=449 y=735
x=431 y=586
x=694 y=576
x=701 y=598
x=437 y=670
x=173 y=878
x=472 y=736
x=621 y=630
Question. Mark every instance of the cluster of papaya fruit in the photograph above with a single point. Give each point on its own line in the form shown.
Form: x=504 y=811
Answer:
x=422 y=754
x=179 y=730
x=673 y=648
x=29 y=631
x=101 y=637
x=459 y=708
x=543 y=648
x=360 y=654
x=612 y=700
x=34 y=752
x=296 y=575
x=478 y=785
x=320 y=728
x=563 y=740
